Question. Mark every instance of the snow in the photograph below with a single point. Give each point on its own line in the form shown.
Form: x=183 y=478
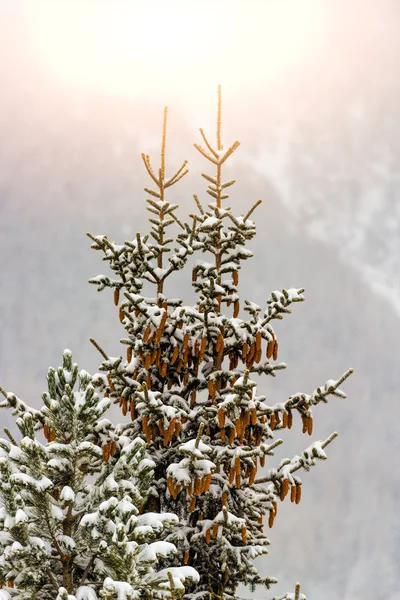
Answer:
x=80 y=399
x=130 y=447
x=159 y=273
x=67 y=542
x=108 y=505
x=9 y=522
x=126 y=506
x=210 y=223
x=57 y=464
x=83 y=446
x=204 y=466
x=84 y=592
x=67 y=494
x=15 y=546
x=179 y=574
x=198 y=450
x=41 y=485
x=39 y=543
x=21 y=516
x=123 y=590
x=152 y=551
x=156 y=520
x=15 y=453
x=29 y=444
x=56 y=512
x=63 y=594
x=110 y=483
x=293 y=294
x=229 y=518
x=89 y=520
x=179 y=473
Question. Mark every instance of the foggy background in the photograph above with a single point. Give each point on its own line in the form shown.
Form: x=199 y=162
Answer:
x=320 y=137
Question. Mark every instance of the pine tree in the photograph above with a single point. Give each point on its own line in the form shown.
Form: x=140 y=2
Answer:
x=70 y=522
x=189 y=381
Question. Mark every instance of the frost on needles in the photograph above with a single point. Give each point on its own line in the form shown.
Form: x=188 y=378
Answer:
x=191 y=383
x=71 y=520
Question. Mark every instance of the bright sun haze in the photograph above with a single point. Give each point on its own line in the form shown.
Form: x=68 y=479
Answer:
x=136 y=48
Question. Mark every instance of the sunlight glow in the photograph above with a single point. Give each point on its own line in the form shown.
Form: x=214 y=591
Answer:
x=133 y=48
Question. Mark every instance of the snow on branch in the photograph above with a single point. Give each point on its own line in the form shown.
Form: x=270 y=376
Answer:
x=320 y=394
x=278 y=303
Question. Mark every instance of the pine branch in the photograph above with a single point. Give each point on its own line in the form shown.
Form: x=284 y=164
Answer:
x=207 y=143
x=301 y=464
x=99 y=348
x=178 y=175
x=175 y=179
x=229 y=152
x=320 y=394
x=199 y=206
x=204 y=153
x=172 y=585
x=147 y=164
x=252 y=209
x=199 y=434
x=152 y=193
x=53 y=580
x=181 y=225
x=10 y=436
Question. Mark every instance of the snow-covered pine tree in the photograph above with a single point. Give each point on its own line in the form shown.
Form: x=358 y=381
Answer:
x=189 y=379
x=70 y=522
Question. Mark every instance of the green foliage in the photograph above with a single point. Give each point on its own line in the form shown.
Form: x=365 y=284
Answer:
x=70 y=519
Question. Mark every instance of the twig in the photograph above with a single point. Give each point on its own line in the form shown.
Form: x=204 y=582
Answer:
x=229 y=152
x=53 y=580
x=176 y=219
x=200 y=433
x=99 y=348
x=146 y=160
x=252 y=210
x=207 y=143
x=178 y=175
x=199 y=206
x=329 y=439
x=172 y=585
x=10 y=436
x=297 y=592
x=87 y=569
x=323 y=445
x=204 y=153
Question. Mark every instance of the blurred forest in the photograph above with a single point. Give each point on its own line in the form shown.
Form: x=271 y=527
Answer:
x=322 y=151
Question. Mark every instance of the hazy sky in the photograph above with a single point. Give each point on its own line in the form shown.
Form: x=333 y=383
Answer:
x=159 y=49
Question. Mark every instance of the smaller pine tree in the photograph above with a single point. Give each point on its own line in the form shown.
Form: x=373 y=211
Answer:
x=71 y=526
